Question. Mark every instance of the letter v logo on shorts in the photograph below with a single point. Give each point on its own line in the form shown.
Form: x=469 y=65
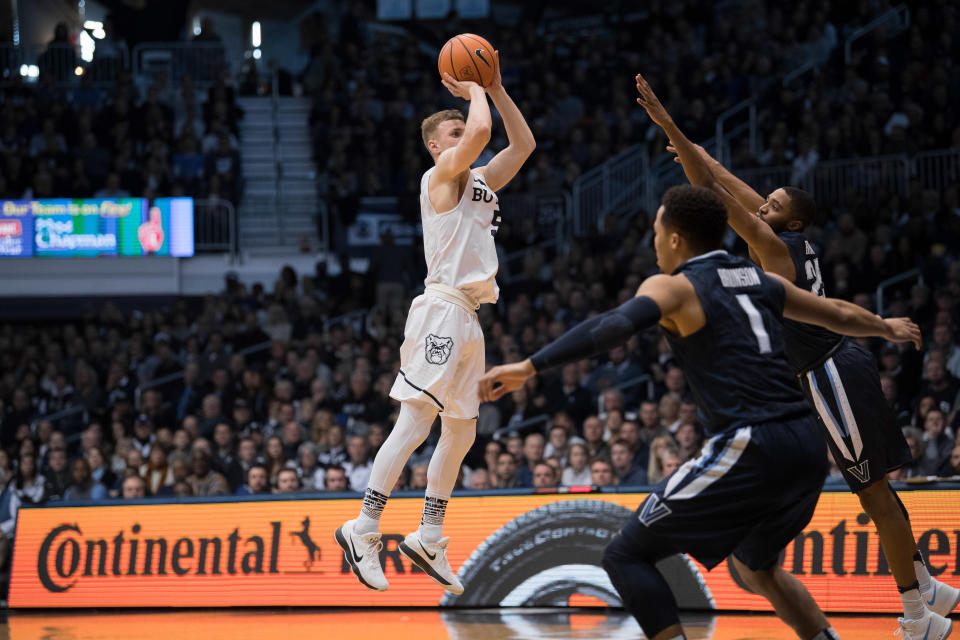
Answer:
x=861 y=471
x=653 y=509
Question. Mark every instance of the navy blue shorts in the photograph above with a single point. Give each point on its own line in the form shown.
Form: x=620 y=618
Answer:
x=749 y=493
x=861 y=429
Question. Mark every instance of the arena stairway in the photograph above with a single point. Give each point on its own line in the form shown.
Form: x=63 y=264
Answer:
x=277 y=212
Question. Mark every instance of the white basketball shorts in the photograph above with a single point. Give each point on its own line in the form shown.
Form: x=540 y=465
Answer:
x=441 y=358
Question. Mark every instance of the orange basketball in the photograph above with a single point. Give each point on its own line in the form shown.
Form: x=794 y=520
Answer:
x=468 y=57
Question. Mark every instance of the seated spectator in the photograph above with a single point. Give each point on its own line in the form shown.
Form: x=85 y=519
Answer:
x=650 y=426
x=287 y=481
x=593 y=438
x=543 y=476
x=311 y=474
x=480 y=479
x=601 y=473
x=257 y=481
x=133 y=487
x=491 y=451
x=336 y=479
x=359 y=465
x=99 y=471
x=274 y=458
x=655 y=462
x=57 y=475
x=158 y=472
x=506 y=471
x=952 y=466
x=689 y=441
x=669 y=410
x=28 y=483
x=630 y=433
x=179 y=472
x=914 y=438
x=937 y=443
x=577 y=473
x=84 y=487
x=533 y=446
x=418 y=477
x=622 y=460
x=939 y=385
x=670 y=460
x=334 y=451
x=205 y=481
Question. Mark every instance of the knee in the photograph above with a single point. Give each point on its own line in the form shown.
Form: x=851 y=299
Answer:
x=760 y=582
x=613 y=554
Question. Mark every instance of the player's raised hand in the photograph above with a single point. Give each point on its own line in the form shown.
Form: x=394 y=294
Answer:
x=676 y=156
x=903 y=330
x=503 y=379
x=459 y=88
x=649 y=101
x=495 y=82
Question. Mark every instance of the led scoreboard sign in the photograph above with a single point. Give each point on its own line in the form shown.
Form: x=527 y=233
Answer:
x=68 y=228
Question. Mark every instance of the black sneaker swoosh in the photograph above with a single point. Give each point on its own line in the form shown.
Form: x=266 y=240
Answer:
x=353 y=549
x=480 y=55
x=427 y=553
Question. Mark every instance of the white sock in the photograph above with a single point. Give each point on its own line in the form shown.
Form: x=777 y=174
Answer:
x=826 y=634
x=456 y=438
x=679 y=637
x=373 y=503
x=431 y=522
x=923 y=575
x=412 y=428
x=912 y=604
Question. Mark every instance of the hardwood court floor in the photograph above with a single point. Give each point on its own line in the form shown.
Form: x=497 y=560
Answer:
x=397 y=624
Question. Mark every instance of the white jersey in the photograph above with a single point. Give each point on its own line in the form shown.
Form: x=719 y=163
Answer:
x=458 y=244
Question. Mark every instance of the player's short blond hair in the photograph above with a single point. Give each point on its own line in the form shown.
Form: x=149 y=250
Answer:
x=430 y=123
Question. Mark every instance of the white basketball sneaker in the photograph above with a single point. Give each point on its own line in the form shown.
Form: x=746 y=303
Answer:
x=362 y=551
x=941 y=598
x=432 y=558
x=930 y=627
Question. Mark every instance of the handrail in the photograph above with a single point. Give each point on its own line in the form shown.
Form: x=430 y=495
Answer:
x=344 y=318
x=63 y=413
x=156 y=382
x=906 y=275
x=529 y=422
x=901 y=12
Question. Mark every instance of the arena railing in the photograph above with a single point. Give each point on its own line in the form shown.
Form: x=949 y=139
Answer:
x=204 y=62
x=61 y=65
x=215 y=226
x=936 y=169
x=897 y=279
x=521 y=426
x=612 y=184
x=895 y=21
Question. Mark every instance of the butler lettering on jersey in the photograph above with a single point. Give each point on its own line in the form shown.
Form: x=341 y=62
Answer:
x=482 y=193
x=737 y=278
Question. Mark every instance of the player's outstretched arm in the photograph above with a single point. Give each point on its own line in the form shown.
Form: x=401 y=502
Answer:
x=521 y=143
x=740 y=190
x=772 y=252
x=476 y=132
x=657 y=297
x=845 y=317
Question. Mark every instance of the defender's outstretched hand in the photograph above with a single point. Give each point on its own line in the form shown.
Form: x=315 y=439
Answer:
x=903 y=330
x=503 y=379
x=459 y=88
x=649 y=101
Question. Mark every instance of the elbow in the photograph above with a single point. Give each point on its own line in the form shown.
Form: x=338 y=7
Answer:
x=480 y=133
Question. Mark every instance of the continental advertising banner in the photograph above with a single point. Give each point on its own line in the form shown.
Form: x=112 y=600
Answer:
x=531 y=550
x=69 y=228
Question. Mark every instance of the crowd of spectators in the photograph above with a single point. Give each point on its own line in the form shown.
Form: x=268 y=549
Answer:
x=89 y=139
x=573 y=81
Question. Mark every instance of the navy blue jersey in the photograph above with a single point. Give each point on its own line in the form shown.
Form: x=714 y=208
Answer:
x=735 y=364
x=807 y=344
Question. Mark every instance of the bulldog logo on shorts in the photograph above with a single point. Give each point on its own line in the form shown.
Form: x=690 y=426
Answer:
x=438 y=349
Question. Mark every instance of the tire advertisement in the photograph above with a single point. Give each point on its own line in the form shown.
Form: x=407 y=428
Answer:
x=509 y=551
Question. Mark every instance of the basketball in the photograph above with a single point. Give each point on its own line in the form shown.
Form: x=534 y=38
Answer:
x=468 y=57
